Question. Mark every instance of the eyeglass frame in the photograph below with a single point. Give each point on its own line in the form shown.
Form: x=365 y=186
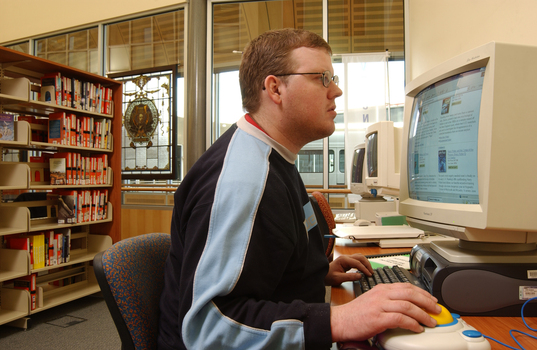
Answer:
x=334 y=77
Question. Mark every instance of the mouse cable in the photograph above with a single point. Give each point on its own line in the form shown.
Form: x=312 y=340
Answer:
x=512 y=331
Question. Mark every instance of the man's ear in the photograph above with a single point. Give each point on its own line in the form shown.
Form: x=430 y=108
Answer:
x=272 y=88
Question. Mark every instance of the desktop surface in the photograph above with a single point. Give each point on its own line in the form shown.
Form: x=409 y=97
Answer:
x=496 y=327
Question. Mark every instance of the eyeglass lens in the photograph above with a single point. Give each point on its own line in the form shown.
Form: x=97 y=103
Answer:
x=327 y=76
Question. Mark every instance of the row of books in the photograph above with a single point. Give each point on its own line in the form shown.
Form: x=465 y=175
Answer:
x=71 y=168
x=82 y=131
x=48 y=248
x=79 y=206
x=74 y=93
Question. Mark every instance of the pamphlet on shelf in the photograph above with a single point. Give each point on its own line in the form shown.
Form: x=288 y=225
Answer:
x=58 y=171
x=7 y=127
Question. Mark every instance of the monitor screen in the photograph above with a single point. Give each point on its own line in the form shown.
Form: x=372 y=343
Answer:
x=443 y=140
x=382 y=158
x=372 y=154
x=357 y=181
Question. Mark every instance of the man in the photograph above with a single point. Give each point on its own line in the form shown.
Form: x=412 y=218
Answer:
x=247 y=268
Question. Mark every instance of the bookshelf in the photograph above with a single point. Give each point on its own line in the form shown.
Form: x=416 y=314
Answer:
x=20 y=79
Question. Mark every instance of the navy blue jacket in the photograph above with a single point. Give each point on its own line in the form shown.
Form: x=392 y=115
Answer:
x=246 y=267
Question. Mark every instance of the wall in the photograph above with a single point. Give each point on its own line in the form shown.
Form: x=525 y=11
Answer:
x=135 y=222
x=440 y=29
x=27 y=18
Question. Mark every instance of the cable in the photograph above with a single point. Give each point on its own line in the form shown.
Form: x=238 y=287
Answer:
x=512 y=331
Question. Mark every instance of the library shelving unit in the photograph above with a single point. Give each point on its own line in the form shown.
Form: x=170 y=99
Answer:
x=20 y=78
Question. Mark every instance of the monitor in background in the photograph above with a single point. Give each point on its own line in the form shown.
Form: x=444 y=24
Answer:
x=468 y=164
x=357 y=181
x=383 y=142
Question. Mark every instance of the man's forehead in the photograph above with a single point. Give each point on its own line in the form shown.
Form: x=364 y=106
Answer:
x=311 y=57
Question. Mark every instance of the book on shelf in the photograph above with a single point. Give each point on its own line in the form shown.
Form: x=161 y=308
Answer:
x=28 y=283
x=58 y=237
x=7 y=127
x=67 y=207
x=38 y=248
x=66 y=245
x=58 y=171
x=52 y=249
x=57 y=129
x=66 y=91
x=72 y=119
x=51 y=88
x=68 y=156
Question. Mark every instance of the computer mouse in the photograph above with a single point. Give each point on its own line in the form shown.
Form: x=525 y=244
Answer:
x=450 y=333
x=362 y=222
x=444 y=317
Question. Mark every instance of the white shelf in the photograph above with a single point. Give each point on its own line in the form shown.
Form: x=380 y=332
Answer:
x=13 y=263
x=62 y=295
x=15 y=304
x=14 y=220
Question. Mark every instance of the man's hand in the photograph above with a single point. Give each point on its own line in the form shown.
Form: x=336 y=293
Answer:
x=337 y=273
x=385 y=306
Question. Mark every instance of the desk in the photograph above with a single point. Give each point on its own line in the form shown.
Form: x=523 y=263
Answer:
x=495 y=327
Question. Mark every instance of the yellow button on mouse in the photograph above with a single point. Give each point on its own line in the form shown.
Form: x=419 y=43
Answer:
x=444 y=317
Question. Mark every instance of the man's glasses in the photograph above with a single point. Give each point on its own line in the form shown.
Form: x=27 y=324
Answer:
x=327 y=77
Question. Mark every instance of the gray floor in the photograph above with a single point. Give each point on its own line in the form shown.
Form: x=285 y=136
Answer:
x=81 y=324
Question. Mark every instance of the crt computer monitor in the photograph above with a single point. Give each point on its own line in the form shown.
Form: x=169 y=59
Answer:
x=468 y=165
x=357 y=181
x=382 y=159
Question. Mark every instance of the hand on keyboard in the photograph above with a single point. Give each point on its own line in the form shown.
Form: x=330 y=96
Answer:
x=337 y=272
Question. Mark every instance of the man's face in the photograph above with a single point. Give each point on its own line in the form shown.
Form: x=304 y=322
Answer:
x=309 y=106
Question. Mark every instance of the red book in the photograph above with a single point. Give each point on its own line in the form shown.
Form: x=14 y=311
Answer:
x=26 y=282
x=18 y=243
x=72 y=129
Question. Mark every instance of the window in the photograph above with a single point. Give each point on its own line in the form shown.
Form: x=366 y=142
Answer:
x=354 y=26
x=21 y=47
x=148 y=54
x=76 y=49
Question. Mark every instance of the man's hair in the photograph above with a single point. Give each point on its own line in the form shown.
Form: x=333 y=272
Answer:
x=270 y=54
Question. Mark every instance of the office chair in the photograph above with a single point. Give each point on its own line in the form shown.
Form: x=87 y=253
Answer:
x=131 y=276
x=325 y=220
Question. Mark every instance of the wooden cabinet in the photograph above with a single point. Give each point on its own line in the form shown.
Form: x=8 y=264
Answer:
x=20 y=78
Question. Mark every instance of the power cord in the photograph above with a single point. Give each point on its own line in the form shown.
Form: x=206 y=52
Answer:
x=513 y=331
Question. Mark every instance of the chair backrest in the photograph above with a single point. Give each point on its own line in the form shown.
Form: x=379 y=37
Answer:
x=325 y=220
x=131 y=276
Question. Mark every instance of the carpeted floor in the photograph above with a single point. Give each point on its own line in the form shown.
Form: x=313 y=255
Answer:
x=83 y=324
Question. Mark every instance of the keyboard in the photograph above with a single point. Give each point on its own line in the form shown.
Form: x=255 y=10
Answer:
x=386 y=274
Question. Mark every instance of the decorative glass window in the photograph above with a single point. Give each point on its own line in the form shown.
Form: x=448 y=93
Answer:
x=148 y=124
